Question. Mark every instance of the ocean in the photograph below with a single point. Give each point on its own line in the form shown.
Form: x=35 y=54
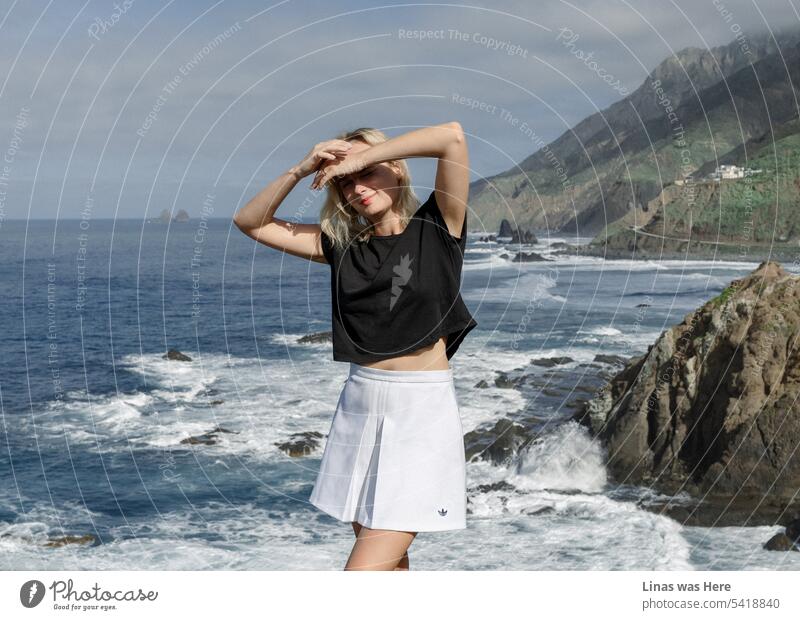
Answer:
x=93 y=416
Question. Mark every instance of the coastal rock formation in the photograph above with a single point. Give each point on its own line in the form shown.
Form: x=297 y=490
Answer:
x=506 y=230
x=86 y=539
x=498 y=444
x=166 y=217
x=316 y=338
x=711 y=409
x=549 y=362
x=301 y=444
x=518 y=235
x=209 y=438
x=529 y=257
x=174 y=354
x=788 y=540
x=523 y=236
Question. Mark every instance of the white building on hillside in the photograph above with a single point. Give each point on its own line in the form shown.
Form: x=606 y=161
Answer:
x=731 y=171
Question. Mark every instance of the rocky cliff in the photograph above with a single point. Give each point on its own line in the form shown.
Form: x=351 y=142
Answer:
x=711 y=409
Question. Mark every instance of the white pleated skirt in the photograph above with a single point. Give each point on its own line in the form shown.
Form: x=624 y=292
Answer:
x=394 y=456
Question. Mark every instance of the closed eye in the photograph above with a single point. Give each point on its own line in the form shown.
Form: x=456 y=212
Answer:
x=366 y=173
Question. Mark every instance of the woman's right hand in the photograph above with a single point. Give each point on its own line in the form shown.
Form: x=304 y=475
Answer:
x=322 y=152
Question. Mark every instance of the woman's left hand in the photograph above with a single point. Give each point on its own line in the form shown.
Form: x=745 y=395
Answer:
x=352 y=163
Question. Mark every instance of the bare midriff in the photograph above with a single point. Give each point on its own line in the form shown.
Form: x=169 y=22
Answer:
x=432 y=357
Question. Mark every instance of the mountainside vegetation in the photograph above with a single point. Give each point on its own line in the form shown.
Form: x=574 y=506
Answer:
x=697 y=110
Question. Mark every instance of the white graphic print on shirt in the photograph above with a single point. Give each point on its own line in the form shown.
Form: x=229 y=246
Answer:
x=402 y=275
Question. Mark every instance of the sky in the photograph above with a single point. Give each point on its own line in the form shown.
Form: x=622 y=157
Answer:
x=121 y=109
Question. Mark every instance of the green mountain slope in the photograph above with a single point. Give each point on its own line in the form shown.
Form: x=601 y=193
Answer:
x=744 y=218
x=615 y=162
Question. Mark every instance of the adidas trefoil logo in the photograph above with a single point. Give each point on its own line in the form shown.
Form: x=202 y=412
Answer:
x=442 y=512
x=402 y=275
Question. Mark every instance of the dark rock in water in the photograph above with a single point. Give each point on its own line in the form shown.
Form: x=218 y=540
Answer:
x=504 y=255
x=788 y=540
x=498 y=444
x=216 y=402
x=707 y=407
x=568 y=249
x=208 y=439
x=502 y=485
x=793 y=529
x=642 y=305
x=610 y=359
x=180 y=217
x=316 y=337
x=503 y=381
x=523 y=236
x=549 y=362
x=577 y=404
x=780 y=542
x=517 y=235
x=487 y=238
x=219 y=429
x=481 y=384
x=86 y=539
x=506 y=230
x=301 y=444
x=535 y=512
x=176 y=355
x=529 y=257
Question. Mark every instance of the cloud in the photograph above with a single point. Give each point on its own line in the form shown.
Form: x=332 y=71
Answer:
x=302 y=72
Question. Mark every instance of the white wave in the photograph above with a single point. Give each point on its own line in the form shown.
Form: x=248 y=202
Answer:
x=579 y=355
x=573 y=532
x=557 y=505
x=625 y=265
x=630 y=344
x=565 y=459
x=601 y=331
x=486 y=260
x=212 y=536
x=263 y=402
x=529 y=285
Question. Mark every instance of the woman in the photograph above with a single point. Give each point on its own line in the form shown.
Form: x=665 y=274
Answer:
x=393 y=463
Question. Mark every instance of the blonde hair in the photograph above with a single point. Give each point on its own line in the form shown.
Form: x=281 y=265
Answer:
x=339 y=220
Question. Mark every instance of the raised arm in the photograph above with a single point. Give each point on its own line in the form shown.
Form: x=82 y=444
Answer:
x=256 y=219
x=445 y=142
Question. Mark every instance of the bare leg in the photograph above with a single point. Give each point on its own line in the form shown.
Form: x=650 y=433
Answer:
x=378 y=549
x=402 y=565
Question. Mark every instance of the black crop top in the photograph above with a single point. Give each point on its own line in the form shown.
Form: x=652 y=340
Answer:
x=395 y=294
